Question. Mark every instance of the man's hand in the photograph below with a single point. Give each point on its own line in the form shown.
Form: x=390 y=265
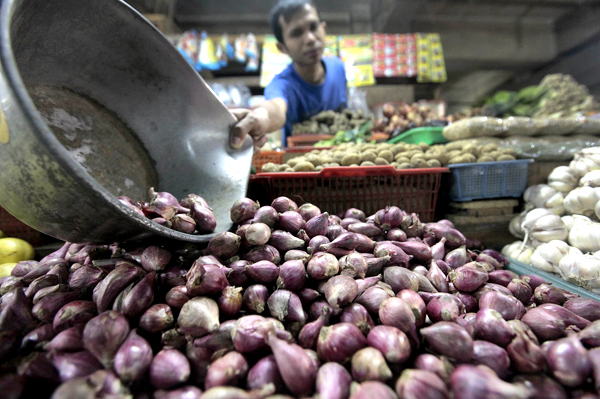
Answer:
x=250 y=122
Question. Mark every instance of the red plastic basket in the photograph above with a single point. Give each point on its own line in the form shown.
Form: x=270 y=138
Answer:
x=305 y=148
x=13 y=227
x=263 y=157
x=368 y=188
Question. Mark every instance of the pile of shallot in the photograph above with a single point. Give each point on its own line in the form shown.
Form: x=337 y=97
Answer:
x=295 y=303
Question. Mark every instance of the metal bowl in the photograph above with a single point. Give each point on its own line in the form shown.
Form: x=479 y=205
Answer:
x=96 y=103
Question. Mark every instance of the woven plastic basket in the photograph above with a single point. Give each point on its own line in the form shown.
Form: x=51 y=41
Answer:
x=368 y=188
x=263 y=157
x=499 y=179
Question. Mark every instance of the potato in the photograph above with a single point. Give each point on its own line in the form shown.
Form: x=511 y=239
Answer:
x=395 y=164
x=455 y=160
x=468 y=158
x=509 y=151
x=454 y=153
x=454 y=146
x=434 y=163
x=424 y=146
x=431 y=155
x=494 y=154
x=293 y=161
x=314 y=159
x=418 y=155
x=334 y=165
x=405 y=165
x=489 y=148
x=367 y=163
x=402 y=159
x=387 y=155
x=289 y=170
x=443 y=158
x=304 y=166
x=381 y=161
x=485 y=158
x=470 y=148
x=269 y=167
x=397 y=148
x=318 y=168
x=351 y=158
x=353 y=165
x=314 y=151
x=326 y=159
x=369 y=156
x=506 y=157
x=419 y=163
x=283 y=167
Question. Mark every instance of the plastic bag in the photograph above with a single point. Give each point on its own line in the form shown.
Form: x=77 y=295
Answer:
x=357 y=100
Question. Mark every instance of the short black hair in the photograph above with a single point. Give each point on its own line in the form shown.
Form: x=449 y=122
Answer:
x=286 y=8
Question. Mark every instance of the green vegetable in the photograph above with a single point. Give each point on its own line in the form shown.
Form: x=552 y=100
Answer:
x=358 y=135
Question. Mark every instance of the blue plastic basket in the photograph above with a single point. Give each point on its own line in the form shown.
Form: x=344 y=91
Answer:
x=499 y=179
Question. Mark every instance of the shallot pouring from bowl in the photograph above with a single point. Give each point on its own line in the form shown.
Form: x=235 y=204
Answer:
x=96 y=103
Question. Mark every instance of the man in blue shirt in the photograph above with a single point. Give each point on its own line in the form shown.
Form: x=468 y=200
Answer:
x=309 y=85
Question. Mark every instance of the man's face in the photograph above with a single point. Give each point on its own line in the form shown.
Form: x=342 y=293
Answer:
x=303 y=36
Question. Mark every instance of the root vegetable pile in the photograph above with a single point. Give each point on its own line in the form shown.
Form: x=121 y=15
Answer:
x=400 y=156
x=295 y=303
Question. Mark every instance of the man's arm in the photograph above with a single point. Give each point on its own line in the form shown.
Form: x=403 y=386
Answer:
x=266 y=118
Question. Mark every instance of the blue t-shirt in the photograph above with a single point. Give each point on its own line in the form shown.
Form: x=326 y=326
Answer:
x=305 y=100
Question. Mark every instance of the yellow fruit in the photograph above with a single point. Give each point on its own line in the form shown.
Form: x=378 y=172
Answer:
x=6 y=268
x=15 y=250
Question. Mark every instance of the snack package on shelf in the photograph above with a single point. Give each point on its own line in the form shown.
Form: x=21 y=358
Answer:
x=357 y=53
x=188 y=46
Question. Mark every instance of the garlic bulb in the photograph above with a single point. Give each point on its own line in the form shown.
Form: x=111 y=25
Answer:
x=544 y=196
x=514 y=227
x=585 y=234
x=547 y=256
x=591 y=179
x=523 y=255
x=585 y=161
x=538 y=261
x=570 y=220
x=532 y=216
x=582 y=201
x=548 y=228
x=514 y=251
x=509 y=248
x=562 y=179
x=543 y=225
x=583 y=270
